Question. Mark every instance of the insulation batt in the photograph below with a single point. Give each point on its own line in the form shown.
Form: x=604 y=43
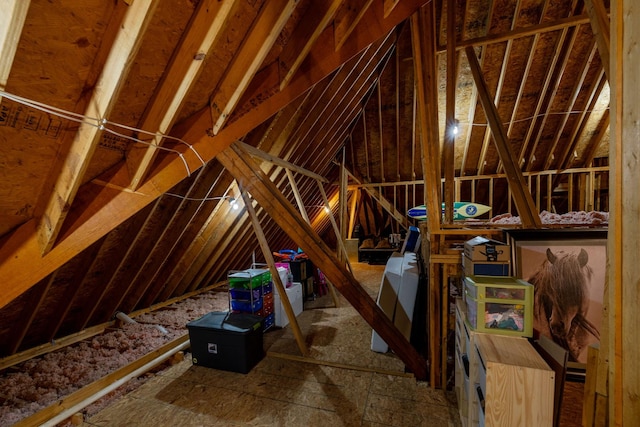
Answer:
x=39 y=382
x=569 y=218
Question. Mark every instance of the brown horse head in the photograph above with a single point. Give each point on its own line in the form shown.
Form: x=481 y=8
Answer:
x=568 y=295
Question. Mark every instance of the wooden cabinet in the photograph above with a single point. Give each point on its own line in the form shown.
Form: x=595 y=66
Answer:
x=500 y=380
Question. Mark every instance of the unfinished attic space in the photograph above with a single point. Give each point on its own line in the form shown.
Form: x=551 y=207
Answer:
x=311 y=213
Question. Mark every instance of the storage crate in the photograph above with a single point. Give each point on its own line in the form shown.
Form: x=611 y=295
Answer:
x=247 y=306
x=227 y=341
x=502 y=305
x=249 y=279
x=484 y=268
x=269 y=320
x=245 y=294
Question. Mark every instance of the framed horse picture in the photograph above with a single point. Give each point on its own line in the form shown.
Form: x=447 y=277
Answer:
x=567 y=268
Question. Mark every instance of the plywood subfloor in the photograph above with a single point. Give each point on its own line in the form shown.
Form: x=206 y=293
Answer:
x=347 y=385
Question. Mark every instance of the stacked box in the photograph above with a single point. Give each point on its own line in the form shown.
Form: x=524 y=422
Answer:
x=483 y=268
x=227 y=341
x=251 y=291
x=501 y=305
x=486 y=250
x=249 y=279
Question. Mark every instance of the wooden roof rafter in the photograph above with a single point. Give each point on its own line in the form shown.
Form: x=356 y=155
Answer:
x=255 y=47
x=11 y=23
x=99 y=107
x=486 y=140
x=316 y=18
x=522 y=197
x=571 y=104
x=183 y=69
x=98 y=209
x=566 y=158
x=347 y=18
x=539 y=122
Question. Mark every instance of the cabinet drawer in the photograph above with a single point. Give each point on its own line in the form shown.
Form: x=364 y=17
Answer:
x=482 y=373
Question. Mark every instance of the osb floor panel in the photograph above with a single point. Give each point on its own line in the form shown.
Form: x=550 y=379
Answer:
x=372 y=390
x=285 y=392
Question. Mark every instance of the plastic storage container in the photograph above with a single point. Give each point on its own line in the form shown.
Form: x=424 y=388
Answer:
x=249 y=279
x=227 y=341
x=502 y=305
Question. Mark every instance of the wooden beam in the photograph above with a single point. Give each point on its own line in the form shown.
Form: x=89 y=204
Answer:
x=621 y=345
x=98 y=208
x=389 y=207
x=347 y=18
x=14 y=13
x=253 y=180
x=448 y=149
x=533 y=30
x=268 y=256
x=423 y=36
x=521 y=195
x=389 y=5
x=601 y=29
x=296 y=194
x=280 y=162
x=248 y=59
x=183 y=69
x=311 y=25
x=88 y=136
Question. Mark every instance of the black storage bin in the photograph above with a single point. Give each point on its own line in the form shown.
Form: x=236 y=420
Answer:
x=227 y=341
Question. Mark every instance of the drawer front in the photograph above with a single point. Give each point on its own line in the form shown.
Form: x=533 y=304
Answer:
x=482 y=373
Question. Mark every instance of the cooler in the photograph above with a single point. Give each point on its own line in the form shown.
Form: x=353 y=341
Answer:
x=227 y=341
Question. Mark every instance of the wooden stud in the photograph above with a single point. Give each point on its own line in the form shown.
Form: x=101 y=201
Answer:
x=253 y=180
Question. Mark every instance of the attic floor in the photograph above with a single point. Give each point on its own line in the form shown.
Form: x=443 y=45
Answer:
x=350 y=385
x=346 y=385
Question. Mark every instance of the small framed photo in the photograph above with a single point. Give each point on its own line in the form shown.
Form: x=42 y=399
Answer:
x=567 y=268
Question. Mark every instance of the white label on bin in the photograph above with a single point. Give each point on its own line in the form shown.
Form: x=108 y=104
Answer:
x=212 y=348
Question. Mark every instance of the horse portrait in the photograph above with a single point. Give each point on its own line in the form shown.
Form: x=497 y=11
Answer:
x=562 y=285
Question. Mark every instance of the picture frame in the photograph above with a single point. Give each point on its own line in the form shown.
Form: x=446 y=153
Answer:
x=567 y=268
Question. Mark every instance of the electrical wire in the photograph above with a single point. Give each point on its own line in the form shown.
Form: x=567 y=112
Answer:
x=101 y=124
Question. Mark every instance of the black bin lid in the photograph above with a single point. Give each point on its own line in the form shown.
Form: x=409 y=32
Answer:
x=234 y=322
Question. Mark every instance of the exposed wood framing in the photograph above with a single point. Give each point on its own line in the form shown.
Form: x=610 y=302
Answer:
x=182 y=71
x=255 y=48
x=97 y=209
x=522 y=197
x=99 y=107
x=14 y=13
x=251 y=178
x=347 y=17
x=268 y=256
x=423 y=30
x=601 y=29
x=315 y=20
x=448 y=150
x=621 y=345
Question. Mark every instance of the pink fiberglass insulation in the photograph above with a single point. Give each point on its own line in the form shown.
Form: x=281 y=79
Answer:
x=39 y=382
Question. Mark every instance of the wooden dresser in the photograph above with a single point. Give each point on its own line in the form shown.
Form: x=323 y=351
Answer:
x=500 y=380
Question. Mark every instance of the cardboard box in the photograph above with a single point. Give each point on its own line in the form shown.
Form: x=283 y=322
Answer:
x=227 y=341
x=483 y=268
x=487 y=250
